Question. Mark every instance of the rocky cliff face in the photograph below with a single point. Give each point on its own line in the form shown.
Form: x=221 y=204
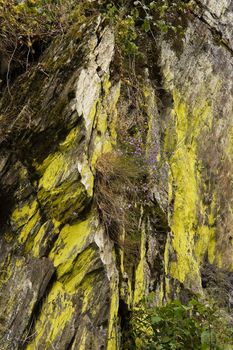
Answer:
x=68 y=279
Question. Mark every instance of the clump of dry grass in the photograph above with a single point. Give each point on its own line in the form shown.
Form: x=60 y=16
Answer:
x=117 y=195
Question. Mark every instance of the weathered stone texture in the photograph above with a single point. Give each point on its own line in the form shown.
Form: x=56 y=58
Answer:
x=62 y=278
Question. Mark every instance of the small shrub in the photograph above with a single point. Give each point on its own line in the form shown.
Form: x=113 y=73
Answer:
x=133 y=18
x=186 y=327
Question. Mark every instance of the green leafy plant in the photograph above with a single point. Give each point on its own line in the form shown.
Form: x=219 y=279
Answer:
x=123 y=20
x=186 y=327
x=134 y=18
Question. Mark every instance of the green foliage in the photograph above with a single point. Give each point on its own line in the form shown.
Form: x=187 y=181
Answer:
x=195 y=326
x=29 y=24
x=124 y=23
x=134 y=18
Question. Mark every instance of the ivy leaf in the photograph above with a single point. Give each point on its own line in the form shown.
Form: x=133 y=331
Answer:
x=146 y=25
x=156 y=319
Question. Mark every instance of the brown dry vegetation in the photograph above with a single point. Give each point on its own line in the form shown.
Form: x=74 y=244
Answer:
x=117 y=195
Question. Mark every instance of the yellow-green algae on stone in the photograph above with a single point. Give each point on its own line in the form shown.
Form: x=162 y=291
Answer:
x=55 y=315
x=184 y=191
x=139 y=292
x=112 y=342
x=71 y=241
x=23 y=213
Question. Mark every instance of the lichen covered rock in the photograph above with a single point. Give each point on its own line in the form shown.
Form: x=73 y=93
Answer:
x=65 y=281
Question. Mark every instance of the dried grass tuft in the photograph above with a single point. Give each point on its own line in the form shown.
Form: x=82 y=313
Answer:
x=117 y=195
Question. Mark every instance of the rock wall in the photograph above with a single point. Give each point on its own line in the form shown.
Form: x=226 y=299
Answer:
x=65 y=283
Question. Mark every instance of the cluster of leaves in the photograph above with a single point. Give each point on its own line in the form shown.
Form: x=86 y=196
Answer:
x=195 y=326
x=161 y=16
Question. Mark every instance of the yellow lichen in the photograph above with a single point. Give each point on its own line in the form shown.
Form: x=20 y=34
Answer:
x=112 y=325
x=87 y=177
x=139 y=291
x=88 y=288
x=106 y=115
x=22 y=214
x=70 y=243
x=80 y=269
x=41 y=238
x=112 y=111
x=184 y=191
x=106 y=85
x=53 y=172
x=56 y=314
x=27 y=229
x=70 y=139
x=82 y=345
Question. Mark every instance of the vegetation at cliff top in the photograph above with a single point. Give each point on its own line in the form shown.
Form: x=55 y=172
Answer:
x=26 y=27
